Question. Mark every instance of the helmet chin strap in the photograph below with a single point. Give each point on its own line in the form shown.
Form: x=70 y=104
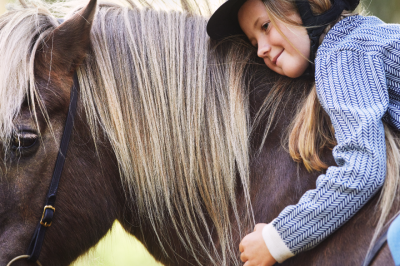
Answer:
x=315 y=24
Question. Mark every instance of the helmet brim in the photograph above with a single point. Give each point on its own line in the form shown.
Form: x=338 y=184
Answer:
x=224 y=22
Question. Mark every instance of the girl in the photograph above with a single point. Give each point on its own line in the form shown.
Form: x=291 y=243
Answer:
x=357 y=77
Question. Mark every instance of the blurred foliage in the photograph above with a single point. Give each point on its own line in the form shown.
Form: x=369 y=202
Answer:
x=387 y=10
x=117 y=248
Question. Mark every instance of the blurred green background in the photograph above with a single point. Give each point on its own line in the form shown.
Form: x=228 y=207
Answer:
x=387 y=10
x=119 y=248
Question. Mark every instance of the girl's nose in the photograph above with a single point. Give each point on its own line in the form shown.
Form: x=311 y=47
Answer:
x=263 y=49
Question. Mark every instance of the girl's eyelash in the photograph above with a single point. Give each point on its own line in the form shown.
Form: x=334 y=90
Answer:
x=265 y=26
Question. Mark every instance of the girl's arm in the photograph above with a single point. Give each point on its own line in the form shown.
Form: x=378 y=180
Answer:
x=351 y=87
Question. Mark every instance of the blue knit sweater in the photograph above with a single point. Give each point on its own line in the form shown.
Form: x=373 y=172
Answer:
x=358 y=85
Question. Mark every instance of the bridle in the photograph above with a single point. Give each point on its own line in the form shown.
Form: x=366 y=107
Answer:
x=49 y=209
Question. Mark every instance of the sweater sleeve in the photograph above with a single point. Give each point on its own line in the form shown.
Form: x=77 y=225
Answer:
x=352 y=89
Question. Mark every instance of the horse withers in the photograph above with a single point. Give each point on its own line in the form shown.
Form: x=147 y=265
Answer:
x=160 y=140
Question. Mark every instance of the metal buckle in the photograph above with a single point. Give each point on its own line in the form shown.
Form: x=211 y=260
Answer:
x=20 y=258
x=44 y=210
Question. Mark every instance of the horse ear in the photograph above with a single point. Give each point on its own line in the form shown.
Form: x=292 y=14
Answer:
x=66 y=47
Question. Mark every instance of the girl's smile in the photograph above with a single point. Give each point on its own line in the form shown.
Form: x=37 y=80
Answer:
x=276 y=57
x=285 y=50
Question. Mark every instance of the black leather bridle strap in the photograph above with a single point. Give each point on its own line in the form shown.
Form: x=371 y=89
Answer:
x=49 y=209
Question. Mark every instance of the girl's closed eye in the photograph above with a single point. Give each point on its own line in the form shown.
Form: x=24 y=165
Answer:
x=265 y=26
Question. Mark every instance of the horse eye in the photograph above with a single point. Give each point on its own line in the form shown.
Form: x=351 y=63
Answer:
x=23 y=140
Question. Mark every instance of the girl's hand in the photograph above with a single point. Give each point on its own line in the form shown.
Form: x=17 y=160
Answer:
x=254 y=250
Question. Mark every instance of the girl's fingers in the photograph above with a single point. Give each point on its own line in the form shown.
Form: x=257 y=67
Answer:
x=243 y=257
x=258 y=226
x=241 y=248
x=247 y=264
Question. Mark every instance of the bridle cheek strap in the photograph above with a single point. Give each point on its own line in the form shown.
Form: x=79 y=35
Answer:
x=49 y=209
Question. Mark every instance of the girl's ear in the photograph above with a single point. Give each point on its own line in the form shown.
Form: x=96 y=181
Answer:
x=66 y=47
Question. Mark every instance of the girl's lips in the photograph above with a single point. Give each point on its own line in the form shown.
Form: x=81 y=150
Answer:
x=276 y=57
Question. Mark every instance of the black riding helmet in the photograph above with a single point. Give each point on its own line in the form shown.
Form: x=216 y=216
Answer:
x=224 y=22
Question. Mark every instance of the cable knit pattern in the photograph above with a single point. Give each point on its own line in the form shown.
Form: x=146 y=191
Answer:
x=358 y=85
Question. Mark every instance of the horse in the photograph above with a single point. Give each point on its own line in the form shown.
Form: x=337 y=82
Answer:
x=164 y=139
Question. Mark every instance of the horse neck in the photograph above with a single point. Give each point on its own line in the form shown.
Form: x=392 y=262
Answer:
x=276 y=180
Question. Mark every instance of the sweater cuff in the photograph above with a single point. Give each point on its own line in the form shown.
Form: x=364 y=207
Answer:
x=275 y=244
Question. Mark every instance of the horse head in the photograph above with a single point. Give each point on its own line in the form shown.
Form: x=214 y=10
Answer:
x=30 y=141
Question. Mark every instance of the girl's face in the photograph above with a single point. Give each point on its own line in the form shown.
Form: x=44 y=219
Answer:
x=278 y=54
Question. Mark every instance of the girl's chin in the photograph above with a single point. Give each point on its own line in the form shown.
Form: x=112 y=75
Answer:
x=275 y=68
x=295 y=72
x=288 y=70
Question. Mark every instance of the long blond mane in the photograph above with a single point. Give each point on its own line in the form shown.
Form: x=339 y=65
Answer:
x=175 y=113
x=176 y=119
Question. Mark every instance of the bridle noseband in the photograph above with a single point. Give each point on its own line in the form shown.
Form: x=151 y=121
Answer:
x=49 y=209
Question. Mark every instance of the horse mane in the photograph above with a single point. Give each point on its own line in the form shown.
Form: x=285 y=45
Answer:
x=21 y=32
x=177 y=120
x=174 y=110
